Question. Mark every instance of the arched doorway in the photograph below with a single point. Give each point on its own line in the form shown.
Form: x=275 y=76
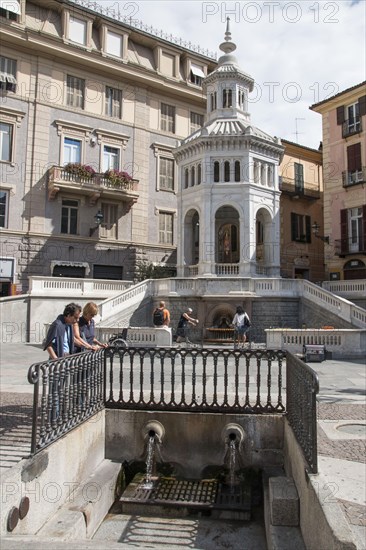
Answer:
x=227 y=235
x=354 y=269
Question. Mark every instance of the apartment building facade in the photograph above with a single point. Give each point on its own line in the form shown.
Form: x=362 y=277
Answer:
x=344 y=168
x=91 y=110
x=301 y=212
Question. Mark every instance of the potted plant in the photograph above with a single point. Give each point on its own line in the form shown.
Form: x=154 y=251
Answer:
x=117 y=177
x=80 y=170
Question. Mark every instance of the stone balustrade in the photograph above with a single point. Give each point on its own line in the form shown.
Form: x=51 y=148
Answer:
x=64 y=286
x=340 y=343
x=347 y=289
x=146 y=337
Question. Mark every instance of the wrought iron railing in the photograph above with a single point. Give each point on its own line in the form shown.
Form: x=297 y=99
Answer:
x=195 y=380
x=349 y=245
x=353 y=177
x=67 y=392
x=70 y=390
x=302 y=387
x=307 y=190
x=352 y=126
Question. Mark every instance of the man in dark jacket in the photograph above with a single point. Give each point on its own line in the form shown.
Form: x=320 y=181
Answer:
x=60 y=338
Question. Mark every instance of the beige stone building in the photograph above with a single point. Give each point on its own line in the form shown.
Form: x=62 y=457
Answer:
x=86 y=98
x=301 y=211
x=344 y=162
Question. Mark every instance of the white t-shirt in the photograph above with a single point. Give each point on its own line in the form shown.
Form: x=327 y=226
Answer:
x=238 y=320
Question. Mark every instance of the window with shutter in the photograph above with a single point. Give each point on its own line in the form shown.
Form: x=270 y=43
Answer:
x=299 y=176
x=300 y=228
x=354 y=157
x=362 y=105
x=340 y=115
x=344 y=231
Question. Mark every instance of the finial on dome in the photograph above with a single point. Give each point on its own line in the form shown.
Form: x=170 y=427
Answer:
x=227 y=33
x=227 y=46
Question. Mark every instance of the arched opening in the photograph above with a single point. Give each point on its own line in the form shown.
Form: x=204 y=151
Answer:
x=227 y=170
x=263 y=225
x=191 y=238
x=354 y=269
x=227 y=235
x=237 y=170
x=216 y=171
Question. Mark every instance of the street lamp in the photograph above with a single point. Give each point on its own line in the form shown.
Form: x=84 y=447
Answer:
x=315 y=227
x=98 y=218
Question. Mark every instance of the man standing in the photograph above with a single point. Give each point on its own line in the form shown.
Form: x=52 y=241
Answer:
x=183 y=325
x=60 y=338
x=161 y=316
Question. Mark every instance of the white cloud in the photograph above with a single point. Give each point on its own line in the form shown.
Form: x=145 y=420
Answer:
x=312 y=49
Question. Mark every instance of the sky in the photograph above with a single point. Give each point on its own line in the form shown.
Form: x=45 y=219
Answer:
x=298 y=52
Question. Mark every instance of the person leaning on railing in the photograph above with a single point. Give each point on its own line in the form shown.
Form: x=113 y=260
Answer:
x=60 y=338
x=84 y=330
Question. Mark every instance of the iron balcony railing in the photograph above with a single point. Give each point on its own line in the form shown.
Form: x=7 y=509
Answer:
x=307 y=190
x=352 y=126
x=354 y=177
x=349 y=245
x=68 y=391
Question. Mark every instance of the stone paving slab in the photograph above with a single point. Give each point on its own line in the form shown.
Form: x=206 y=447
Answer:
x=184 y=533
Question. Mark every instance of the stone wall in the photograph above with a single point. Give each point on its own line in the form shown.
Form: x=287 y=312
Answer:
x=314 y=316
x=49 y=478
x=191 y=442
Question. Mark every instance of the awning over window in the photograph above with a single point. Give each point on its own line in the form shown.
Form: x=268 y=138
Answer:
x=6 y=77
x=11 y=5
x=197 y=71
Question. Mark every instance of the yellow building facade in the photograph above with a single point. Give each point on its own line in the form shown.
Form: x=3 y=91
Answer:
x=301 y=211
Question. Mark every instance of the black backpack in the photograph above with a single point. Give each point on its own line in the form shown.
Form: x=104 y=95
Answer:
x=247 y=322
x=158 y=317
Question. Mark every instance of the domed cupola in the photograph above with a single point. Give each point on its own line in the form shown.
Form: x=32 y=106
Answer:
x=228 y=86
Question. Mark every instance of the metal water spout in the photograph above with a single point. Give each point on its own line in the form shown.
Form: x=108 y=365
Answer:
x=233 y=436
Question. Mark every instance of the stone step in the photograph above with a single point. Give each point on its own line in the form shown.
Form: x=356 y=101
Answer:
x=281 y=504
x=87 y=506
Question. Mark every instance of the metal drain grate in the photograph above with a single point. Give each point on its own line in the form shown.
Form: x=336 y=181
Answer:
x=206 y=494
x=173 y=492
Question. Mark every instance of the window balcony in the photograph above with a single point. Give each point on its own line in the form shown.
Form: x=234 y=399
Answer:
x=350 y=245
x=94 y=187
x=351 y=126
x=308 y=191
x=354 y=177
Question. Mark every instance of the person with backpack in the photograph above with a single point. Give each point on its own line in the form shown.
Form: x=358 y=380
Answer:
x=241 y=324
x=161 y=316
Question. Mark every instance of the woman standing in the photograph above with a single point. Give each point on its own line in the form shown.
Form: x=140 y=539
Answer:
x=241 y=324
x=84 y=330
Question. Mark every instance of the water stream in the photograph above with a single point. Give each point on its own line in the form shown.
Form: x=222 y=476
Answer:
x=148 y=483
x=232 y=464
